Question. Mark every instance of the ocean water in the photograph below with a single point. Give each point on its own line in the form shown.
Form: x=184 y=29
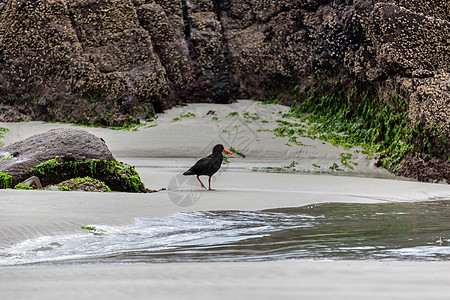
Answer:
x=392 y=231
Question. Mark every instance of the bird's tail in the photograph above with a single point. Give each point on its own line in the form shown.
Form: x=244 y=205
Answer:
x=189 y=172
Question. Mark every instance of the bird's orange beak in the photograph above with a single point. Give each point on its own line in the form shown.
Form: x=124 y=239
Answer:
x=226 y=151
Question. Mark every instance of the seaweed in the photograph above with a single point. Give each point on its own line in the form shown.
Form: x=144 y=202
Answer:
x=117 y=176
x=90 y=228
x=350 y=119
x=85 y=183
x=2 y=131
x=235 y=151
x=183 y=116
x=21 y=186
x=6 y=180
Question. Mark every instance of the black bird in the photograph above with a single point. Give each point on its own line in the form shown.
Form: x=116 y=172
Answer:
x=208 y=165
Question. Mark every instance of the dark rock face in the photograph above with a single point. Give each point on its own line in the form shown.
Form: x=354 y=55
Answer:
x=87 y=61
x=425 y=169
x=102 y=61
x=67 y=144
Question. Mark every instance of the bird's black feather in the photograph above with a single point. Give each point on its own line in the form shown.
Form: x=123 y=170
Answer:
x=208 y=165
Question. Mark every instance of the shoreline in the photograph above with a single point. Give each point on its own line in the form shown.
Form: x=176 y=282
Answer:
x=30 y=214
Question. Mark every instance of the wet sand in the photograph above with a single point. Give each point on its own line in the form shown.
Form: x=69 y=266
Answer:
x=262 y=280
x=30 y=214
x=160 y=154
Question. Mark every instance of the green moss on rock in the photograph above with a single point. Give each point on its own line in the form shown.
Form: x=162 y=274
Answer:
x=49 y=166
x=5 y=180
x=22 y=186
x=116 y=175
x=2 y=130
x=84 y=184
x=353 y=119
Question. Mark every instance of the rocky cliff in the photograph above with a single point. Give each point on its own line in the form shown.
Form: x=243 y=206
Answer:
x=108 y=61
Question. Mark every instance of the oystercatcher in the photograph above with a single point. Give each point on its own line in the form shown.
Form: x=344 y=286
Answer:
x=208 y=165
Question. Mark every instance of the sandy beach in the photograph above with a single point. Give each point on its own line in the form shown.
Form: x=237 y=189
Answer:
x=263 y=280
x=166 y=147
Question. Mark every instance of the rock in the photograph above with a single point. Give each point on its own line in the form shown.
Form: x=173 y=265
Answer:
x=117 y=176
x=425 y=170
x=86 y=184
x=89 y=57
x=67 y=144
x=33 y=181
x=110 y=61
x=63 y=154
x=166 y=32
x=206 y=36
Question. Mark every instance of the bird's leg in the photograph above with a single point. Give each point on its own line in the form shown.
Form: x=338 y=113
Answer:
x=203 y=186
x=210 y=183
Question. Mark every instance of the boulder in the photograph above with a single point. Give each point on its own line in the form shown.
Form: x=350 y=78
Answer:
x=63 y=154
x=86 y=184
x=66 y=144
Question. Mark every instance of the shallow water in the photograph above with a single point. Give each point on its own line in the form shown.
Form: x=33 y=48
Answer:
x=393 y=231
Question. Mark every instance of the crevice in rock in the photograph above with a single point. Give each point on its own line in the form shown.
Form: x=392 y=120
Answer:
x=74 y=26
x=226 y=85
x=186 y=20
x=200 y=90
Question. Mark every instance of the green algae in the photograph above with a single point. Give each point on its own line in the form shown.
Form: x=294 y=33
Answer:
x=249 y=116
x=236 y=151
x=90 y=228
x=5 y=180
x=116 y=175
x=183 y=116
x=49 y=166
x=352 y=119
x=2 y=131
x=6 y=158
x=132 y=125
x=271 y=100
x=21 y=186
x=346 y=160
x=85 y=183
